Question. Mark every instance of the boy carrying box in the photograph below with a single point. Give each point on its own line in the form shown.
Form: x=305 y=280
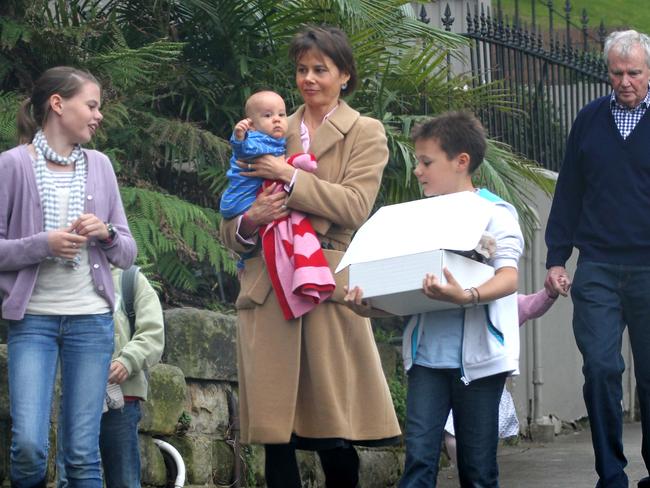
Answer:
x=459 y=358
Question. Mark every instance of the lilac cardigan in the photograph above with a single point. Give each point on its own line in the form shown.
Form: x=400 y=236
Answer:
x=23 y=242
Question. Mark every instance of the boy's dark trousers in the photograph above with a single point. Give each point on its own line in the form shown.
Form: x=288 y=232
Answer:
x=118 y=444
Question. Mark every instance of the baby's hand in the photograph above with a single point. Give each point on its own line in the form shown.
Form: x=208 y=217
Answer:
x=241 y=128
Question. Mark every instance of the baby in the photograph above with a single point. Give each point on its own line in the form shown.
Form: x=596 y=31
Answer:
x=261 y=132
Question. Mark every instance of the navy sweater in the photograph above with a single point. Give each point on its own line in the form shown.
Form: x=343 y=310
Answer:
x=602 y=198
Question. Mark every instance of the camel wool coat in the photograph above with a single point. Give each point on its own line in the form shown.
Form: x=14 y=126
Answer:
x=317 y=376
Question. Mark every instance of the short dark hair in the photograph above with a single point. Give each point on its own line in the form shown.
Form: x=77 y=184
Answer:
x=333 y=43
x=455 y=132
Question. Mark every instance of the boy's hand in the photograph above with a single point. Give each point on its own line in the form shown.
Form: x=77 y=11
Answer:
x=241 y=128
x=354 y=300
x=117 y=373
x=449 y=292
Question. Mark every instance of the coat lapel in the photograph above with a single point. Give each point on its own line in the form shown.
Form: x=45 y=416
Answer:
x=331 y=132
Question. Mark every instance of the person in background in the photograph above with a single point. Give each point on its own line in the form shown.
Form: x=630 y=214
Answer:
x=135 y=351
x=62 y=227
x=601 y=207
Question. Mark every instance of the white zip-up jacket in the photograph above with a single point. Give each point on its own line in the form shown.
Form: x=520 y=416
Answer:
x=490 y=334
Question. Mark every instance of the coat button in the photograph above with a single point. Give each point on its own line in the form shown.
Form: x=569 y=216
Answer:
x=90 y=197
x=100 y=287
x=96 y=266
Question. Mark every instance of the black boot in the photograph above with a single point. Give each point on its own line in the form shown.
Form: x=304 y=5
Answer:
x=281 y=466
x=341 y=467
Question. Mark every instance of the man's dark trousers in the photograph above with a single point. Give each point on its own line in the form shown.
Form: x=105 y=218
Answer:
x=606 y=298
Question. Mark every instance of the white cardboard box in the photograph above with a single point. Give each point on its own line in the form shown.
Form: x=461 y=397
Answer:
x=391 y=253
x=395 y=284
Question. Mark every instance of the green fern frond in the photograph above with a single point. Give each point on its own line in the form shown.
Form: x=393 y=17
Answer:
x=177 y=273
x=133 y=68
x=176 y=236
x=184 y=141
x=9 y=103
x=11 y=32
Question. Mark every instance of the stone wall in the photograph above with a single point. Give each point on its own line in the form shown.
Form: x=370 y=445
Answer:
x=188 y=407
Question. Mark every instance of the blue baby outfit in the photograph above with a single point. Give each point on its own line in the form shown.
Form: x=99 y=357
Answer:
x=242 y=190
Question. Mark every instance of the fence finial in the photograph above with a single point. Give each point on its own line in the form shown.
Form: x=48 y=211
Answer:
x=602 y=34
x=515 y=21
x=567 y=10
x=447 y=20
x=423 y=16
x=584 y=20
x=484 y=30
x=549 y=4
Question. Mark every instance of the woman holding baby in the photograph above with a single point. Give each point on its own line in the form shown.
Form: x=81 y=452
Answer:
x=314 y=382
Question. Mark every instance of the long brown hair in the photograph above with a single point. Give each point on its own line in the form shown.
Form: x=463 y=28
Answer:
x=61 y=80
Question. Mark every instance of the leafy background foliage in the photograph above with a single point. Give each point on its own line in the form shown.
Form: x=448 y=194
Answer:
x=175 y=76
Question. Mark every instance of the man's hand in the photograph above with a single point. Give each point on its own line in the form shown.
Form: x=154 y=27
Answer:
x=557 y=281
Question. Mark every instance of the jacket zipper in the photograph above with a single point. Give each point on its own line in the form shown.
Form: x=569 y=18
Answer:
x=462 y=340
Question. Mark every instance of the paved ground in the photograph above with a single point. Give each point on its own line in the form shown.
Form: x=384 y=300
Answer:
x=565 y=463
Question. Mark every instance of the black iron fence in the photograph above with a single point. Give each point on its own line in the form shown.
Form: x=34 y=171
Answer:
x=550 y=74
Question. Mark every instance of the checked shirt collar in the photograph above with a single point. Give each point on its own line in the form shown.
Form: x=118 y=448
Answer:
x=627 y=118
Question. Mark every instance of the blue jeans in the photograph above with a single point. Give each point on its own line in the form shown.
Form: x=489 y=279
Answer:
x=119 y=447
x=431 y=394
x=606 y=298
x=83 y=345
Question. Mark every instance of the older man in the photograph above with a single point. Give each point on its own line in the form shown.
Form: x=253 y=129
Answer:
x=602 y=207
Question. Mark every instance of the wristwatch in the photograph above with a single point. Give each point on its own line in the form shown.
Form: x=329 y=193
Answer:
x=111 y=233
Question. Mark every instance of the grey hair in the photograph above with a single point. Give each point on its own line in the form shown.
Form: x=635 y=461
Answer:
x=623 y=41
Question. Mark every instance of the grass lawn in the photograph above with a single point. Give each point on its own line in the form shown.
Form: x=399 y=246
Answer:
x=616 y=13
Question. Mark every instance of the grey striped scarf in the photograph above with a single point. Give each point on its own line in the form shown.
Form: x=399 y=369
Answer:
x=47 y=189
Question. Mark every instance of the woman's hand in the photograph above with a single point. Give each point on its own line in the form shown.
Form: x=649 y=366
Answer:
x=268 y=167
x=449 y=292
x=354 y=300
x=64 y=243
x=89 y=225
x=269 y=205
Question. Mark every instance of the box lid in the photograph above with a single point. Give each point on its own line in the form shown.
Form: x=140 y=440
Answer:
x=455 y=221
